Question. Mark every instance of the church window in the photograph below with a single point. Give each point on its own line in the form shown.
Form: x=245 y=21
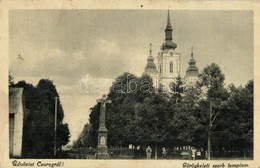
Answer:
x=171 y=67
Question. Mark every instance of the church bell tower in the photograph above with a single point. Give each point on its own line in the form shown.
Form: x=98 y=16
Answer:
x=168 y=59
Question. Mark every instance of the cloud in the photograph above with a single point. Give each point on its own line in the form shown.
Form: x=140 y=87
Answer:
x=55 y=62
x=101 y=58
x=106 y=47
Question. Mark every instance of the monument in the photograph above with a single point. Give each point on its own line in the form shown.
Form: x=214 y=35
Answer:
x=102 y=131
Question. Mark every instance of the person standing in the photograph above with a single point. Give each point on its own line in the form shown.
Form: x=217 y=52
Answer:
x=193 y=153
x=206 y=154
x=148 y=152
x=164 y=153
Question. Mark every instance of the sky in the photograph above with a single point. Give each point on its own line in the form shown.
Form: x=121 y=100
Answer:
x=84 y=50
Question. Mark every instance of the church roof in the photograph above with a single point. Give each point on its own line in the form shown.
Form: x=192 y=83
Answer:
x=150 y=71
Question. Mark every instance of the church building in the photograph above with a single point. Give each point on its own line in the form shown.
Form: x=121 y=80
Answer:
x=169 y=63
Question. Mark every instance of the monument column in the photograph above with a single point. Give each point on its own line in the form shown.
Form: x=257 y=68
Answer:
x=102 y=131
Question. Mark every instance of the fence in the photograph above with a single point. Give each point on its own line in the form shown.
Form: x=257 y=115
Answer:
x=121 y=153
x=81 y=153
x=87 y=153
x=126 y=153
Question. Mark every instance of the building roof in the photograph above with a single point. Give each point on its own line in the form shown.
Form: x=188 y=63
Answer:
x=15 y=98
x=150 y=71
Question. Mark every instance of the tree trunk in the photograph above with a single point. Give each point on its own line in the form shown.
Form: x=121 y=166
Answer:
x=140 y=151
x=209 y=132
x=209 y=145
x=120 y=156
x=244 y=151
x=156 y=151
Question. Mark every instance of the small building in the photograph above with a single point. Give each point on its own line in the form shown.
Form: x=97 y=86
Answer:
x=16 y=115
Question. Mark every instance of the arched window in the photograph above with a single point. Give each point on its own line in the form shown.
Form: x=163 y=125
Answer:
x=171 y=67
x=160 y=69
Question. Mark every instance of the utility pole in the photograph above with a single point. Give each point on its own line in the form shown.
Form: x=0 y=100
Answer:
x=55 y=128
x=209 y=132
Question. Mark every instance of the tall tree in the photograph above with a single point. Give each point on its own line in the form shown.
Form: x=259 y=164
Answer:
x=152 y=120
x=39 y=120
x=238 y=127
x=127 y=91
x=199 y=108
x=84 y=139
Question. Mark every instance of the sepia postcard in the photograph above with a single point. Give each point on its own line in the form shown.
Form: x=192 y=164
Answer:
x=129 y=84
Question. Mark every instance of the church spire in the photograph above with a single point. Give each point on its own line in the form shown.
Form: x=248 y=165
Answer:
x=168 y=21
x=150 y=67
x=150 y=49
x=168 y=44
x=150 y=57
x=192 y=61
x=191 y=52
x=192 y=71
x=168 y=30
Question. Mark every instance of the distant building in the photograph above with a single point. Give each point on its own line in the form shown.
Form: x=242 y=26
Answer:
x=16 y=115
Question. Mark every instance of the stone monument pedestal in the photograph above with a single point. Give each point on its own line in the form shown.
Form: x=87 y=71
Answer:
x=102 y=144
x=103 y=153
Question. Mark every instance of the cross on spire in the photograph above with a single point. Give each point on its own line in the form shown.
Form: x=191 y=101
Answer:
x=192 y=52
x=150 y=48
